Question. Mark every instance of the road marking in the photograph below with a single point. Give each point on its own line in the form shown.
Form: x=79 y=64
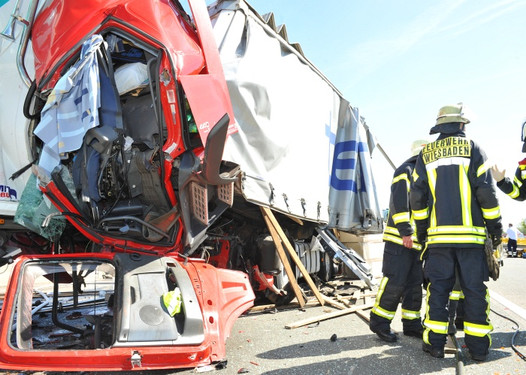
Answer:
x=508 y=304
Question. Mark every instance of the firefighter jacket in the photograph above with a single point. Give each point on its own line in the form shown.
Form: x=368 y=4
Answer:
x=399 y=222
x=516 y=189
x=452 y=194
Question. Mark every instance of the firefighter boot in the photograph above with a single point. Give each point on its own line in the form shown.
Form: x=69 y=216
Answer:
x=434 y=351
x=381 y=327
x=386 y=335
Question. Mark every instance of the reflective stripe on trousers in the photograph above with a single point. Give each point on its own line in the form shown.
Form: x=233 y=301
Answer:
x=472 y=272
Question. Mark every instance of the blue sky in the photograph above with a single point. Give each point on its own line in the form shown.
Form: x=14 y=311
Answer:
x=400 y=61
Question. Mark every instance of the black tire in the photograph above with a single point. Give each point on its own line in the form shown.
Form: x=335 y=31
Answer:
x=326 y=271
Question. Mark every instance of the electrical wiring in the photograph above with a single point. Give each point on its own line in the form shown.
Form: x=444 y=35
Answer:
x=516 y=328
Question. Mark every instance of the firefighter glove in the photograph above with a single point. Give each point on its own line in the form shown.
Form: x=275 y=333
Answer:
x=496 y=239
x=493 y=263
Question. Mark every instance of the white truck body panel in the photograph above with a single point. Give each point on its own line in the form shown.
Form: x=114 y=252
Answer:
x=303 y=148
x=14 y=150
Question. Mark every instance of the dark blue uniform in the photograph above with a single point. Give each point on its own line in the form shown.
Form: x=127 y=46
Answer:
x=454 y=205
x=402 y=267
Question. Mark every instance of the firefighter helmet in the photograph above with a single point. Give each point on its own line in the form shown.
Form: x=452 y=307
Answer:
x=451 y=113
x=417 y=146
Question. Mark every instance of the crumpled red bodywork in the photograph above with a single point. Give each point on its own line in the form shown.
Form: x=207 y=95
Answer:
x=147 y=255
x=187 y=59
x=222 y=295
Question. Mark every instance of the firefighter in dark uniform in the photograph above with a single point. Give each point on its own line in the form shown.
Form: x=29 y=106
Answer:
x=515 y=188
x=455 y=206
x=402 y=267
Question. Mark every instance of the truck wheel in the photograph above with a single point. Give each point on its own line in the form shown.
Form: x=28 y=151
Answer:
x=326 y=271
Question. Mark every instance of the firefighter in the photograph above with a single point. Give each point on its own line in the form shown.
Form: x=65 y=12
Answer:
x=515 y=189
x=455 y=206
x=402 y=267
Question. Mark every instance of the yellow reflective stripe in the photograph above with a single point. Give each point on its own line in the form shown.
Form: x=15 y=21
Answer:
x=432 y=178
x=392 y=230
x=449 y=229
x=433 y=325
x=415 y=175
x=383 y=313
x=401 y=177
x=456 y=234
x=425 y=336
x=478 y=330
x=455 y=239
x=381 y=289
x=514 y=193
x=401 y=217
x=398 y=240
x=436 y=326
x=392 y=238
x=376 y=308
x=421 y=214
x=488 y=308
x=410 y=314
x=483 y=168
x=516 y=185
x=391 y=234
x=455 y=295
x=491 y=213
x=465 y=195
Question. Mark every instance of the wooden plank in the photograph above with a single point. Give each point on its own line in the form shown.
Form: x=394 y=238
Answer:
x=267 y=214
x=343 y=301
x=335 y=314
x=334 y=303
x=286 y=264
x=292 y=305
x=362 y=314
x=295 y=219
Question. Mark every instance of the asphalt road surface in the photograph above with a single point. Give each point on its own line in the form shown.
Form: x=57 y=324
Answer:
x=260 y=343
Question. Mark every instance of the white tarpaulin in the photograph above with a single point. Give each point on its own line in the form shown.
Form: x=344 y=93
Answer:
x=301 y=146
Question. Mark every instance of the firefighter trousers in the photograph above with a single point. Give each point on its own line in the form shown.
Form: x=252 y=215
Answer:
x=472 y=268
x=402 y=281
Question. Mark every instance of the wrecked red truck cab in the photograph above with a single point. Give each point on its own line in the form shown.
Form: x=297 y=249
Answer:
x=147 y=172
x=130 y=112
x=102 y=312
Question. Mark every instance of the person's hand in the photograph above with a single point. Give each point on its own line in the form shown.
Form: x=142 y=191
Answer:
x=407 y=241
x=498 y=175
